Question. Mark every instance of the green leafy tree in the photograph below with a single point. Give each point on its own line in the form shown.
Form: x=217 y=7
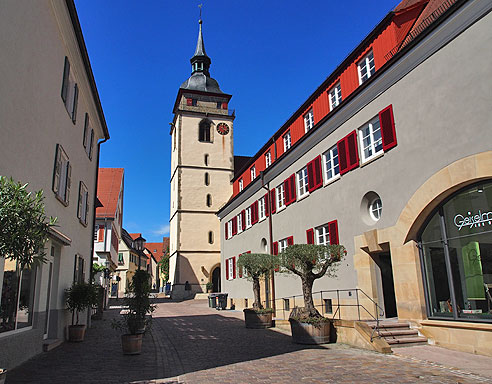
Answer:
x=23 y=223
x=256 y=266
x=164 y=265
x=79 y=297
x=311 y=262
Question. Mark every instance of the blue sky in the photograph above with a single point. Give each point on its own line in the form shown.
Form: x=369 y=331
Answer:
x=270 y=55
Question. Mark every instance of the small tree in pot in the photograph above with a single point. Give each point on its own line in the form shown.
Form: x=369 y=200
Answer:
x=136 y=319
x=79 y=297
x=254 y=267
x=310 y=262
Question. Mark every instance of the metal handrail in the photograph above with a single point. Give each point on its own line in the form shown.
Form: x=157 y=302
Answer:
x=378 y=310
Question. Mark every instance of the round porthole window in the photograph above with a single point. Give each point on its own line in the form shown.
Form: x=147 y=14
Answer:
x=375 y=209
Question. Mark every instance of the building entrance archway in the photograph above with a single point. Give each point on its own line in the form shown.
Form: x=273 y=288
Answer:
x=216 y=279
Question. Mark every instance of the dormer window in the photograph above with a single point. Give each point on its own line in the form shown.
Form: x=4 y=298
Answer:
x=308 y=120
x=366 y=67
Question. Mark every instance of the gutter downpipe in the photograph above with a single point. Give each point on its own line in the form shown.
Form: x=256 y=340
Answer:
x=91 y=274
x=270 y=229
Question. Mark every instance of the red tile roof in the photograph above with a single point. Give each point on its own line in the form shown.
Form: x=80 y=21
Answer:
x=109 y=184
x=157 y=249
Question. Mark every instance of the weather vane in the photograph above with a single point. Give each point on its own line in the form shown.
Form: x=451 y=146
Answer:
x=200 y=6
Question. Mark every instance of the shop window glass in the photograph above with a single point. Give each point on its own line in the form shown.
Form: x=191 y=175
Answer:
x=17 y=297
x=467 y=227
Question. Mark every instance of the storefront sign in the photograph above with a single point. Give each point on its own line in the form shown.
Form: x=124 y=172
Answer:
x=473 y=221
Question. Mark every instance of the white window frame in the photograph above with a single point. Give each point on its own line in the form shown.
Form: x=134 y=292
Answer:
x=335 y=96
x=287 y=141
x=366 y=63
x=322 y=234
x=252 y=171
x=241 y=185
x=268 y=159
x=230 y=267
x=248 y=217
x=229 y=229
x=302 y=183
x=282 y=245
x=375 y=210
x=239 y=223
x=261 y=209
x=280 y=197
x=374 y=129
x=62 y=187
x=308 y=120
x=331 y=164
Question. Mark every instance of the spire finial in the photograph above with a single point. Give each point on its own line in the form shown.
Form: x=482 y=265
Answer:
x=200 y=6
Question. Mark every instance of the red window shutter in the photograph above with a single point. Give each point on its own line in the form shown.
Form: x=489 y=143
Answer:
x=227 y=269
x=287 y=191
x=310 y=236
x=254 y=212
x=100 y=236
x=233 y=267
x=267 y=204
x=318 y=176
x=292 y=185
x=226 y=227
x=387 y=123
x=342 y=156
x=224 y=105
x=290 y=241
x=189 y=101
x=275 y=248
x=352 y=152
x=310 y=171
x=239 y=270
x=234 y=226
x=333 y=229
x=273 y=202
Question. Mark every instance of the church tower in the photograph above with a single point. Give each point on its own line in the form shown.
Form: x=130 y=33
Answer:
x=202 y=166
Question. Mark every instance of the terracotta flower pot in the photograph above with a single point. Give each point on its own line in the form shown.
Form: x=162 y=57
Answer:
x=76 y=333
x=131 y=344
x=305 y=333
x=257 y=320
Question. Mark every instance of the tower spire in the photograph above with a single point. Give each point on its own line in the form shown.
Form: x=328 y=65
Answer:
x=200 y=62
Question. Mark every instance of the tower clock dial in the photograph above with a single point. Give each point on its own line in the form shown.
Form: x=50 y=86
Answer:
x=223 y=128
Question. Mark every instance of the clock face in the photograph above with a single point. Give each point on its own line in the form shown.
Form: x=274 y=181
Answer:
x=223 y=128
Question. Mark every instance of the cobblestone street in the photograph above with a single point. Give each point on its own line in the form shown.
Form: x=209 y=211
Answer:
x=190 y=343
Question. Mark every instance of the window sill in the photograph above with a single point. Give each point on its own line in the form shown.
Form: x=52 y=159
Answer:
x=261 y=219
x=83 y=223
x=303 y=196
x=371 y=159
x=281 y=209
x=65 y=203
x=332 y=180
x=15 y=331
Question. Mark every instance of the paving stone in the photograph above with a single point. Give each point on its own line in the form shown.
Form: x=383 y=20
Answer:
x=191 y=343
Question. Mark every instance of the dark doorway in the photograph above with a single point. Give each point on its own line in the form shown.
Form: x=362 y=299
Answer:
x=216 y=280
x=384 y=263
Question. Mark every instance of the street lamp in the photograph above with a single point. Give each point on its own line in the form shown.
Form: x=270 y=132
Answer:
x=139 y=246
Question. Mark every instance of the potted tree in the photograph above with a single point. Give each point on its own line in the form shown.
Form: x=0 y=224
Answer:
x=310 y=262
x=24 y=228
x=255 y=266
x=79 y=297
x=209 y=286
x=136 y=319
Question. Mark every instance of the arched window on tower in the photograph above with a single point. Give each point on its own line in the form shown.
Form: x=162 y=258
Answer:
x=210 y=237
x=206 y=159
x=207 y=178
x=209 y=200
x=204 y=131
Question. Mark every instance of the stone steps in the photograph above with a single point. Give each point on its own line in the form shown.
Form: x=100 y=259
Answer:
x=398 y=334
x=50 y=344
